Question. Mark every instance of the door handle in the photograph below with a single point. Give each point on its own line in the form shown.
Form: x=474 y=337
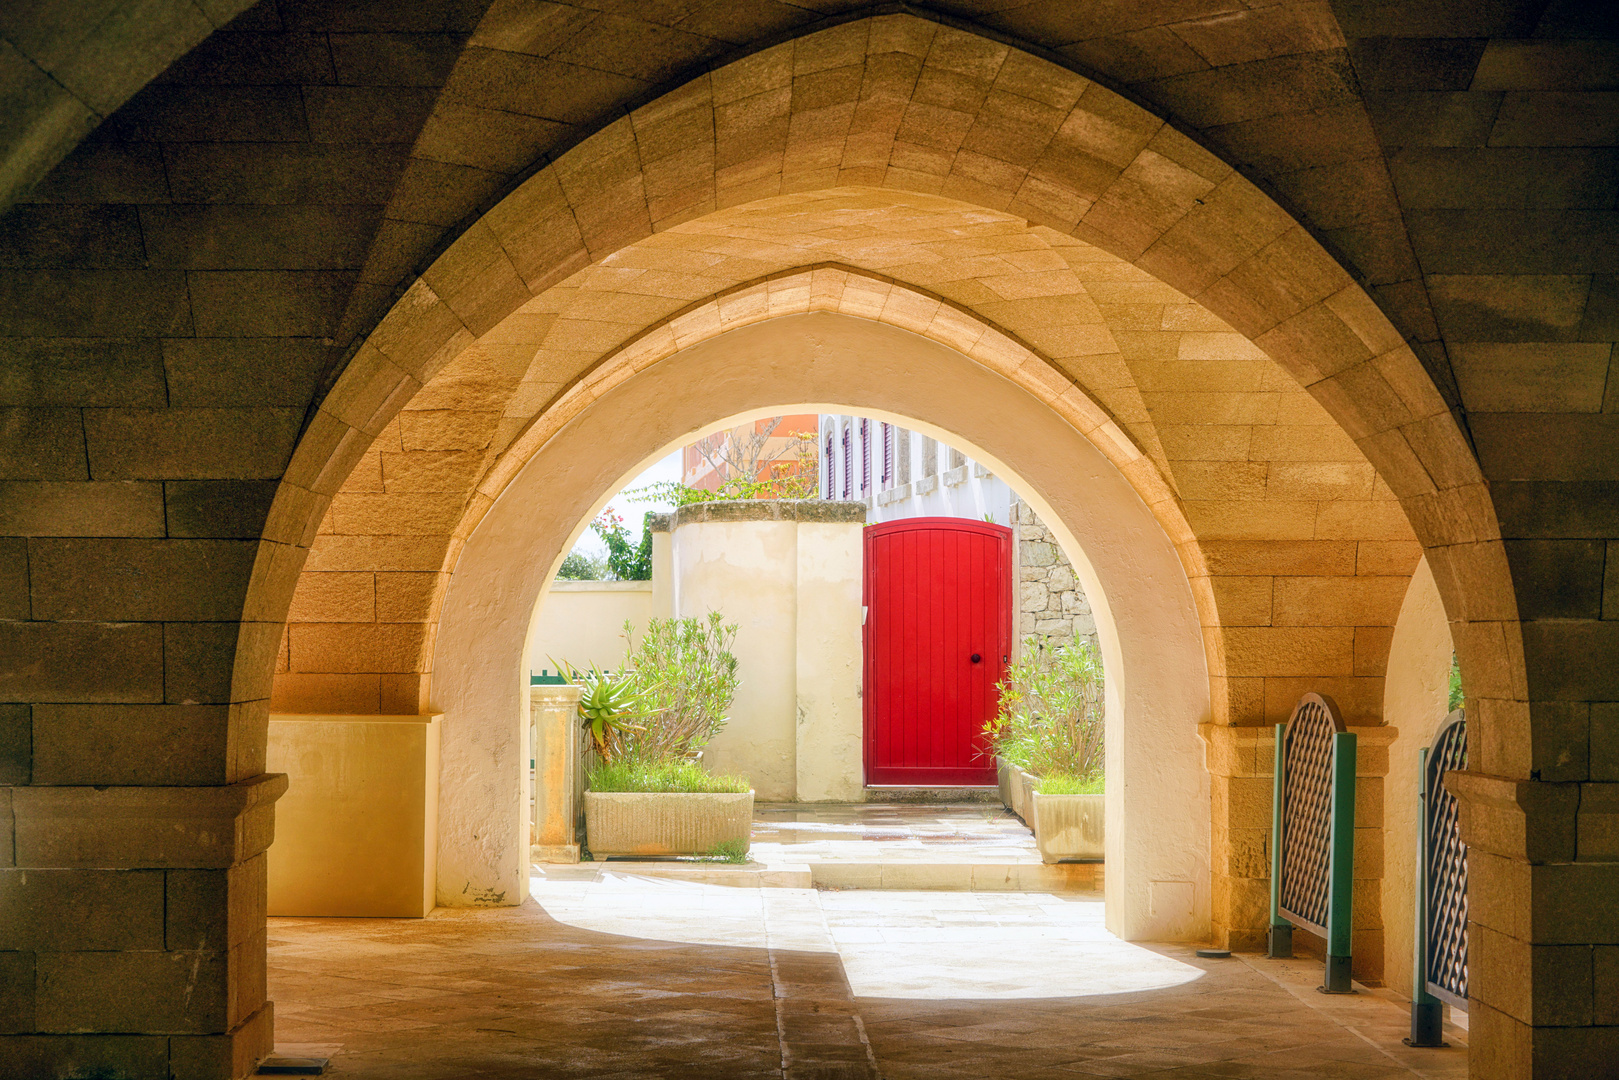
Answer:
x=976 y=658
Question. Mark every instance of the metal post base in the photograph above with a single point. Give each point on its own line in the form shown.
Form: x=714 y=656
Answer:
x=1337 y=981
x=1280 y=942
x=1427 y=1024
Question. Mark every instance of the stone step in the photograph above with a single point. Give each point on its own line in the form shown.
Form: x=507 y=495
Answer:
x=959 y=876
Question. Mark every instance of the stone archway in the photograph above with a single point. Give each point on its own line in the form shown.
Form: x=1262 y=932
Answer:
x=1158 y=795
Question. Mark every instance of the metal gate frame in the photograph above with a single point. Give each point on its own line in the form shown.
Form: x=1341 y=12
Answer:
x=1313 y=835
x=1439 y=955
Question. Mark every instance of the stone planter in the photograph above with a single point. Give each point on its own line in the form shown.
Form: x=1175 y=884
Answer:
x=1016 y=785
x=1067 y=826
x=665 y=823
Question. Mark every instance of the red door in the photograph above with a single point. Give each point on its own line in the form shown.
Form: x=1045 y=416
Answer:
x=938 y=633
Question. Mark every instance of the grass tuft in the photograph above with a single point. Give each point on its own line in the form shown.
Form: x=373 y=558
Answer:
x=731 y=851
x=677 y=776
x=1060 y=784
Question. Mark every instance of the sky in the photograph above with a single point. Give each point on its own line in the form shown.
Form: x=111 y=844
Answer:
x=667 y=469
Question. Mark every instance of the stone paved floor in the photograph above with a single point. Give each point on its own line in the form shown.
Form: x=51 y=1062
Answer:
x=625 y=976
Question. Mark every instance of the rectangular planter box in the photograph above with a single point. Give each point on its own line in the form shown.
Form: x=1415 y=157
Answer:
x=665 y=823
x=1016 y=784
x=1067 y=826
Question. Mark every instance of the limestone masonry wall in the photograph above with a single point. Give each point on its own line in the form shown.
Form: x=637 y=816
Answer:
x=1050 y=603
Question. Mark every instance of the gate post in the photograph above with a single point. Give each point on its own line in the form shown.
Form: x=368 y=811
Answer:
x=1427 y=1012
x=1341 y=866
x=1280 y=938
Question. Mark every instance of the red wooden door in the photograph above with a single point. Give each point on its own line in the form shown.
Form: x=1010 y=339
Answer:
x=938 y=633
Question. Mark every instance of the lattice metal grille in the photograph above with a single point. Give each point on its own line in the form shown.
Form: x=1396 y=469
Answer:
x=1307 y=813
x=1446 y=962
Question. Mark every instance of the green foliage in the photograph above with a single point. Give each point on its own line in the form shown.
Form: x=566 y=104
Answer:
x=626 y=561
x=731 y=851
x=608 y=703
x=788 y=486
x=1456 y=695
x=670 y=698
x=581 y=567
x=1063 y=784
x=687 y=677
x=631 y=774
x=1050 y=715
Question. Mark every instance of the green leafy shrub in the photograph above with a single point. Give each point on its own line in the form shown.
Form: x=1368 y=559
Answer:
x=1050 y=715
x=686 y=678
x=626 y=560
x=1456 y=695
x=1062 y=784
x=629 y=774
x=581 y=567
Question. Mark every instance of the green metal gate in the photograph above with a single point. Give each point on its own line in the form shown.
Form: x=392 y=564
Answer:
x=1313 y=835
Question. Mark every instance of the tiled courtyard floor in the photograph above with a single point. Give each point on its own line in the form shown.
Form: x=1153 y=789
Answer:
x=624 y=976
x=887 y=832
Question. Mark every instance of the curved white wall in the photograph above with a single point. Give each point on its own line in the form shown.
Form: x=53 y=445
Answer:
x=1158 y=792
x=1415 y=693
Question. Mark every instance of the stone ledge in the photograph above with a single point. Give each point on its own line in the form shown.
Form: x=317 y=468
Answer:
x=125 y=828
x=1246 y=750
x=926 y=485
x=562 y=586
x=1522 y=819
x=802 y=510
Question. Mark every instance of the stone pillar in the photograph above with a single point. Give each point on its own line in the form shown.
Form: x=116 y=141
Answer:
x=1543 y=918
x=558 y=780
x=140 y=911
x=663 y=567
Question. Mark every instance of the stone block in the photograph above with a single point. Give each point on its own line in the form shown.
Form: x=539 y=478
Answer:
x=237 y=1054
x=16 y=994
x=1597 y=824
x=190 y=444
x=334 y=694
x=112 y=910
x=42 y=444
x=14 y=602
x=218 y=508
x=214 y=910
x=334 y=597
x=1523 y=819
x=360 y=648
x=1604 y=740
x=163 y=992
x=1241 y=601
x=129 y=1057
x=1567 y=660
x=173 y=827
x=81 y=508
x=1605 y=984
x=1296 y=651
x=1337 y=601
x=139 y=579
x=1560 y=739
x=133 y=745
x=95 y=662
x=16 y=744
x=199 y=661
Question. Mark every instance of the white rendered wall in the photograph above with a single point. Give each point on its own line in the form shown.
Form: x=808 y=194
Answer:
x=1415 y=693
x=748 y=571
x=830 y=645
x=582 y=623
x=793 y=588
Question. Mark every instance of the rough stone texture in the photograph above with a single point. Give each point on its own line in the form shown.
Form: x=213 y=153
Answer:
x=177 y=293
x=1051 y=603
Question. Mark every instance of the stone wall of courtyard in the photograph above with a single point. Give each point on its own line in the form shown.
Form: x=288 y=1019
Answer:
x=1051 y=603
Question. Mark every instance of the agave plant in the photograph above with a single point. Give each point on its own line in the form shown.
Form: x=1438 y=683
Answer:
x=606 y=704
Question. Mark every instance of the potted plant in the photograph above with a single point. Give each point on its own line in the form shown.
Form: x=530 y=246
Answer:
x=1048 y=739
x=647 y=792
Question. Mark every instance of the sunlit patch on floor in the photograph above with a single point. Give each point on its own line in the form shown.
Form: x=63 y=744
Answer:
x=921 y=945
